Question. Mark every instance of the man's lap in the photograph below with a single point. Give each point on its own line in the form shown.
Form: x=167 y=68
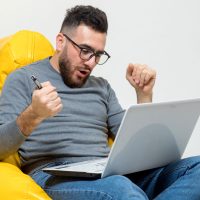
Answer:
x=112 y=187
x=152 y=182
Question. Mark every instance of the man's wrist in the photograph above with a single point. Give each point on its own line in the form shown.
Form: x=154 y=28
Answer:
x=27 y=121
x=144 y=98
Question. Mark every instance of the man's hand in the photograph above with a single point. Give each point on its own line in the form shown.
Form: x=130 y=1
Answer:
x=45 y=103
x=142 y=78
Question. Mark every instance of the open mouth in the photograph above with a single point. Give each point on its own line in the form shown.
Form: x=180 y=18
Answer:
x=83 y=72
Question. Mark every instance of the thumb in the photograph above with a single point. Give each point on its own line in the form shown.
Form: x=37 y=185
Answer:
x=129 y=71
x=129 y=74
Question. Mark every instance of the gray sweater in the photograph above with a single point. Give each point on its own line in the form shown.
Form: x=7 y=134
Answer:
x=79 y=132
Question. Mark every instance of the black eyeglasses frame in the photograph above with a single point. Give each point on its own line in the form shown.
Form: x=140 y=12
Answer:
x=82 y=49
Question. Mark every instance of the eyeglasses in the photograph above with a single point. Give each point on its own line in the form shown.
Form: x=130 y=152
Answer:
x=86 y=53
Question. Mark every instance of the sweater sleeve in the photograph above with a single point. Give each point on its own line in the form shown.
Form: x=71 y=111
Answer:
x=115 y=111
x=15 y=97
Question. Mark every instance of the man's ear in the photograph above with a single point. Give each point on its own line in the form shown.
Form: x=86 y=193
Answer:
x=60 y=42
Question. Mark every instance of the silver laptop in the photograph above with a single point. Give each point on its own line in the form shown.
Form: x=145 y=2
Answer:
x=151 y=135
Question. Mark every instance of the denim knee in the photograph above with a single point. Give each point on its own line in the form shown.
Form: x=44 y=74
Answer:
x=124 y=188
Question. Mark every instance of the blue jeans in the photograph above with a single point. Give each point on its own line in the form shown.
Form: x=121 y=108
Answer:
x=179 y=181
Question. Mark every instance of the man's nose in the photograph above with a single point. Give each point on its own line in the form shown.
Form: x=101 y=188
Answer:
x=91 y=62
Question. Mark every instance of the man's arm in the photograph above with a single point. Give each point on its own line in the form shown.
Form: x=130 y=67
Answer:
x=10 y=139
x=19 y=114
x=45 y=103
x=142 y=78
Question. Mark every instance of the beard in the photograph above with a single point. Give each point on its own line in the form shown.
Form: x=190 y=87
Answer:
x=67 y=72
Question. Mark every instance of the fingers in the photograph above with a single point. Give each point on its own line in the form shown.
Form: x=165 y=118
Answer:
x=54 y=106
x=140 y=75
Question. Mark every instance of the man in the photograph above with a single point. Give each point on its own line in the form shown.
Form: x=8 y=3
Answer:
x=69 y=118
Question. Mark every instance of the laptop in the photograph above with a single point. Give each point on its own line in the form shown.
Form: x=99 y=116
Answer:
x=151 y=135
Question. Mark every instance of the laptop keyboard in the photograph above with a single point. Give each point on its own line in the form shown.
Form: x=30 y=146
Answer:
x=93 y=166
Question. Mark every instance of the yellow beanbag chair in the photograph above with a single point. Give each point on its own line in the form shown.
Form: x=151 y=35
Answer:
x=20 y=187
x=20 y=49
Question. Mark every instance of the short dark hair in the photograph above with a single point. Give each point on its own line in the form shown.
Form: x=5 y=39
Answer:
x=87 y=15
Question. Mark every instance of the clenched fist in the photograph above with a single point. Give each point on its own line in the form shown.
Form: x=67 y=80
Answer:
x=46 y=102
x=142 y=78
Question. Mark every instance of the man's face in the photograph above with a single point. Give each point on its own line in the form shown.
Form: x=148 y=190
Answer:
x=74 y=70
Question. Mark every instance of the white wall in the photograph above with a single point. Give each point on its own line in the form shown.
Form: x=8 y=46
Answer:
x=163 y=34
